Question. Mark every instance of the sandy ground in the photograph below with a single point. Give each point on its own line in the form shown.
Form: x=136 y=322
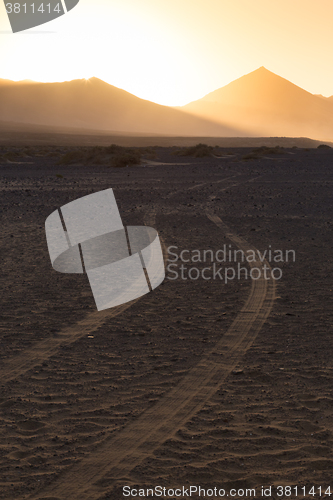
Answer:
x=198 y=383
x=20 y=134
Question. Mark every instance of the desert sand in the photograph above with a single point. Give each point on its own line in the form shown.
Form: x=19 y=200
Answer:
x=197 y=383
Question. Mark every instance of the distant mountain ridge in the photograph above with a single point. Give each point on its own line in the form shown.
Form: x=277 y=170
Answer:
x=11 y=82
x=266 y=104
x=259 y=104
x=95 y=105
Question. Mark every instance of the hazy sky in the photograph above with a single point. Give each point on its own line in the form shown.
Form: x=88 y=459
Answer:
x=176 y=51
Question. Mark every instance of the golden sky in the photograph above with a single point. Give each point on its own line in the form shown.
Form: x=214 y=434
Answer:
x=175 y=51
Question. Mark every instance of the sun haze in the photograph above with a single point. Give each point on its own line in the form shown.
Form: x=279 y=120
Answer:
x=173 y=52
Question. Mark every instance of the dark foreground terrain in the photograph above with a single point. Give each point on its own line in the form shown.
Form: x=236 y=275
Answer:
x=200 y=382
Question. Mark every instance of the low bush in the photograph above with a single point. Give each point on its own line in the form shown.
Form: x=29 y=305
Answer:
x=258 y=153
x=198 y=151
x=113 y=149
x=114 y=156
x=72 y=157
x=125 y=158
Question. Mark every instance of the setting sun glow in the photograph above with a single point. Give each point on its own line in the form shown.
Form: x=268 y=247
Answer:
x=172 y=52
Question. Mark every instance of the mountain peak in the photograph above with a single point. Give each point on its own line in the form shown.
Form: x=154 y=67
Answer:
x=94 y=79
x=262 y=71
x=259 y=86
x=267 y=104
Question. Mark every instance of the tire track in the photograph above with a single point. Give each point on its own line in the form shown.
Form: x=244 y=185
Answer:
x=119 y=453
x=41 y=351
x=202 y=184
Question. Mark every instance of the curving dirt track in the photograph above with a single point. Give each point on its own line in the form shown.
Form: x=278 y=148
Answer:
x=93 y=406
x=118 y=454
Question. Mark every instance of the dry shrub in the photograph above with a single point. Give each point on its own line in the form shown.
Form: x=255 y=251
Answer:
x=258 y=153
x=11 y=156
x=72 y=157
x=198 y=151
x=126 y=158
x=114 y=156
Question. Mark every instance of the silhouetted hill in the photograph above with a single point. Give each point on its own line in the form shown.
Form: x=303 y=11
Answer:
x=93 y=104
x=20 y=82
x=267 y=105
